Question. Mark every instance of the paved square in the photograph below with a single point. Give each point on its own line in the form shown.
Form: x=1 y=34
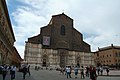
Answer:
x=53 y=75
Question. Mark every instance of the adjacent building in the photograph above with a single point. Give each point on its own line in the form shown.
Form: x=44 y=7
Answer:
x=16 y=58
x=108 y=56
x=7 y=37
x=58 y=44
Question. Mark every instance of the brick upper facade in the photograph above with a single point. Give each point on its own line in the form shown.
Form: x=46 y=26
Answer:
x=62 y=35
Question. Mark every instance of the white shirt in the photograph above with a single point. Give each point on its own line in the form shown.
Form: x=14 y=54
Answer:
x=67 y=69
x=13 y=68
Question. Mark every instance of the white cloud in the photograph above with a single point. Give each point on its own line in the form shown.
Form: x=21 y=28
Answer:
x=28 y=24
x=99 y=20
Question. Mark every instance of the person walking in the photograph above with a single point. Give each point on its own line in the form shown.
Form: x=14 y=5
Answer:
x=91 y=69
x=4 y=71
x=107 y=70
x=24 y=70
x=101 y=70
x=68 y=72
x=12 y=72
x=82 y=73
x=87 y=71
x=28 y=69
x=93 y=74
x=76 y=71
x=98 y=70
x=1 y=67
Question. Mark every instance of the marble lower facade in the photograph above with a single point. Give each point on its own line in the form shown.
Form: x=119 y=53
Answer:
x=36 y=56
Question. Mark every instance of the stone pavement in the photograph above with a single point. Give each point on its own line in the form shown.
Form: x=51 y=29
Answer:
x=56 y=75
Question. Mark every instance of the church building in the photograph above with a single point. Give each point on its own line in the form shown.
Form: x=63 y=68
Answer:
x=58 y=44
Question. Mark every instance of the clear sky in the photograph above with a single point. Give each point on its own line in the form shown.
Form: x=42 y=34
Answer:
x=97 y=20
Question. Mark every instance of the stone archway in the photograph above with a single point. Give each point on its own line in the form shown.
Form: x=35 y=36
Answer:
x=78 y=61
x=62 y=60
x=62 y=54
x=44 y=60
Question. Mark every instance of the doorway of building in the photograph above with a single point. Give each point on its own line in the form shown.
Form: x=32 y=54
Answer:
x=78 y=61
x=44 y=61
x=62 y=61
x=62 y=53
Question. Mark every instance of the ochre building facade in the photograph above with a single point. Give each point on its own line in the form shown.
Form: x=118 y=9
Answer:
x=58 y=44
x=108 y=56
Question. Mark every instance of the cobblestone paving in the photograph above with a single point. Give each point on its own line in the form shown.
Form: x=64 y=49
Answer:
x=55 y=75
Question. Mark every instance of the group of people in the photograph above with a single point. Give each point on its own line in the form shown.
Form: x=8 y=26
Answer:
x=100 y=70
x=68 y=71
x=5 y=69
x=90 y=72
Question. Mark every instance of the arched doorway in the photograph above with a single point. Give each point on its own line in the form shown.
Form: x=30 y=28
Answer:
x=62 y=60
x=44 y=60
x=62 y=54
x=78 y=60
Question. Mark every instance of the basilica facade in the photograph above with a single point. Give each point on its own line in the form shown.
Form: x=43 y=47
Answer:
x=58 y=44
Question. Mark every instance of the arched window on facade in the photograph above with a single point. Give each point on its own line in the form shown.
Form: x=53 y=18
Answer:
x=62 y=30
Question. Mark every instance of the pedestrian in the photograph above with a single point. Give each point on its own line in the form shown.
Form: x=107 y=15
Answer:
x=4 y=71
x=107 y=70
x=76 y=71
x=98 y=70
x=91 y=69
x=12 y=72
x=28 y=69
x=82 y=73
x=65 y=71
x=87 y=71
x=68 y=71
x=24 y=70
x=93 y=74
x=35 y=67
x=101 y=70
x=1 y=67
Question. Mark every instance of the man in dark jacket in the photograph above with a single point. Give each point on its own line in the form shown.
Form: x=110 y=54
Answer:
x=24 y=70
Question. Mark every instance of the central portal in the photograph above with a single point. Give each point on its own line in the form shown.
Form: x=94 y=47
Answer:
x=62 y=60
x=44 y=61
x=63 y=56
